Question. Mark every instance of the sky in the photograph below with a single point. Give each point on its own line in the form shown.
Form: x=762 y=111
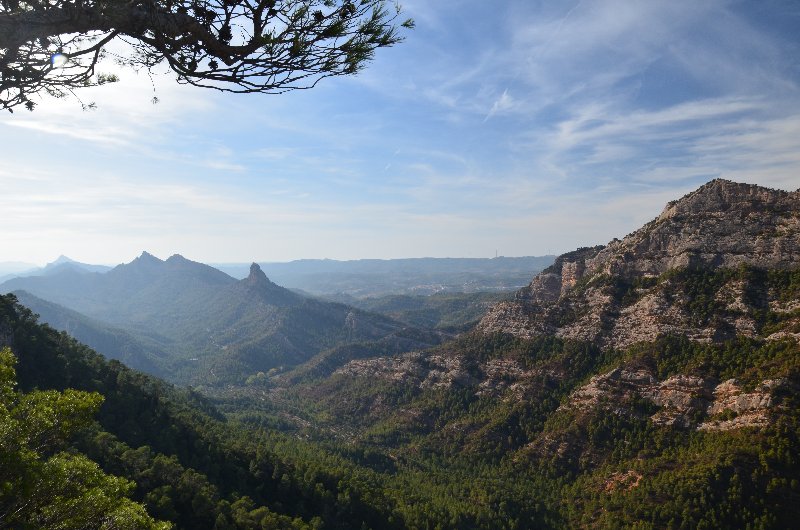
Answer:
x=517 y=127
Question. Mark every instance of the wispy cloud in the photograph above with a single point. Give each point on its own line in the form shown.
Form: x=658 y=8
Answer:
x=528 y=126
x=503 y=103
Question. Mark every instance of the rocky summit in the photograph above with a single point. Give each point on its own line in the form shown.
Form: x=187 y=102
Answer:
x=632 y=290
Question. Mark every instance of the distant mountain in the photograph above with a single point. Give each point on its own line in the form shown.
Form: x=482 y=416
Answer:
x=215 y=328
x=413 y=276
x=11 y=270
x=13 y=267
x=62 y=263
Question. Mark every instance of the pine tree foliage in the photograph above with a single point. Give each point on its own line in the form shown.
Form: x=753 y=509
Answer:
x=268 y=46
x=42 y=485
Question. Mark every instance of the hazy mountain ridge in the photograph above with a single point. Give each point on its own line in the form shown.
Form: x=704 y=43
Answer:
x=215 y=329
x=10 y=270
x=115 y=343
x=411 y=276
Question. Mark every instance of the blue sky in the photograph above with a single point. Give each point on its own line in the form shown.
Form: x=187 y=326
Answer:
x=522 y=127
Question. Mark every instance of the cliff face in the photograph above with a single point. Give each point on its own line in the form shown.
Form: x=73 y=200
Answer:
x=683 y=400
x=617 y=294
x=722 y=224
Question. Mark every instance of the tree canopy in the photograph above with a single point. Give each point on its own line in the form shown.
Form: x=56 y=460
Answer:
x=41 y=484
x=268 y=46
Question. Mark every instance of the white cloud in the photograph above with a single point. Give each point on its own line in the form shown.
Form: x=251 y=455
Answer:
x=609 y=108
x=502 y=104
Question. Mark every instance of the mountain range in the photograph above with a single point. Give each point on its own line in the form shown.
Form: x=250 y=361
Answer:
x=193 y=323
x=356 y=278
x=9 y=270
x=652 y=382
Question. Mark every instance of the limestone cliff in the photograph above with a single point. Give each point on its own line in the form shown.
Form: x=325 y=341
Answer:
x=681 y=399
x=618 y=294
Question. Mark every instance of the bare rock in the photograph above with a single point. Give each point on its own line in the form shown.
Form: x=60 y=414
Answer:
x=622 y=481
x=680 y=398
x=732 y=408
x=722 y=224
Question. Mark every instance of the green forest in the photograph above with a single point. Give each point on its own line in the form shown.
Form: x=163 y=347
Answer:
x=137 y=451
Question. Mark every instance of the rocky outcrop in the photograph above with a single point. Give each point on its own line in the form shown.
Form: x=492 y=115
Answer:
x=415 y=368
x=557 y=280
x=722 y=224
x=620 y=481
x=504 y=376
x=681 y=399
x=678 y=397
x=504 y=379
x=733 y=408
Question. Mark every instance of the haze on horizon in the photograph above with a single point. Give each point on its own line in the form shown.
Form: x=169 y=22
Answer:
x=526 y=128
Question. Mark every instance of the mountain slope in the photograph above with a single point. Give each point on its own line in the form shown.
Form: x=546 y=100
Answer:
x=215 y=329
x=718 y=268
x=646 y=284
x=191 y=466
x=136 y=351
x=656 y=377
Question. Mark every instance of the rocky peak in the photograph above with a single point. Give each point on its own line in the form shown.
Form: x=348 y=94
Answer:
x=721 y=195
x=145 y=261
x=146 y=257
x=261 y=288
x=61 y=259
x=721 y=224
x=257 y=276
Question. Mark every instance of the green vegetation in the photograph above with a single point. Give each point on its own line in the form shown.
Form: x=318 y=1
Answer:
x=44 y=484
x=450 y=311
x=365 y=451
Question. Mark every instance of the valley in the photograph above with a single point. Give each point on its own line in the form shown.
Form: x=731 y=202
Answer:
x=652 y=382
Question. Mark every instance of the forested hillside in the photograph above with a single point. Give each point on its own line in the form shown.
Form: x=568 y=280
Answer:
x=191 y=323
x=650 y=383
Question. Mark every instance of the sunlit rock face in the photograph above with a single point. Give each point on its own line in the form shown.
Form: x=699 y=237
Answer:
x=723 y=224
x=686 y=401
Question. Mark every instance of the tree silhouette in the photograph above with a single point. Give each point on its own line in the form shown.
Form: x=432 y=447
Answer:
x=268 y=46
